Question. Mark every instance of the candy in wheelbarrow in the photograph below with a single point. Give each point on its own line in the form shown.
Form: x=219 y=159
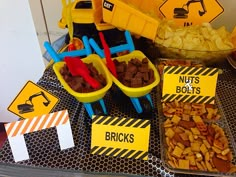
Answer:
x=133 y=87
x=136 y=77
x=80 y=89
x=78 y=82
x=78 y=68
x=135 y=73
x=83 y=92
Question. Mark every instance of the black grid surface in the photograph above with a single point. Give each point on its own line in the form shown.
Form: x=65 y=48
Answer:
x=44 y=150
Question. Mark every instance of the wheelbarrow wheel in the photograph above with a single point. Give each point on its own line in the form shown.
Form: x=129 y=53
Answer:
x=145 y=105
x=97 y=108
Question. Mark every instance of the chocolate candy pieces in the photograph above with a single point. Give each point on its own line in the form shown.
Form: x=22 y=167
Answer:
x=78 y=84
x=135 y=73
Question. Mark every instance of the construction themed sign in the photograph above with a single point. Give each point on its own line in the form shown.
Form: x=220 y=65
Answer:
x=120 y=137
x=32 y=101
x=189 y=84
x=16 y=131
x=191 y=12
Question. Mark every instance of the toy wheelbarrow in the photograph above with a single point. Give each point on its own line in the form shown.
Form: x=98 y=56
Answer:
x=93 y=101
x=140 y=97
x=139 y=93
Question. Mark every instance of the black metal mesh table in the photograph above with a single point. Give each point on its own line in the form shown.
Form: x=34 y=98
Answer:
x=46 y=158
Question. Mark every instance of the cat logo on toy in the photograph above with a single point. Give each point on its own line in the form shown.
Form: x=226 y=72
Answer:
x=107 y=5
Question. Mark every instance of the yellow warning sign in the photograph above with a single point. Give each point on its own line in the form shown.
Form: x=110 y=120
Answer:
x=120 y=137
x=32 y=101
x=189 y=84
x=191 y=12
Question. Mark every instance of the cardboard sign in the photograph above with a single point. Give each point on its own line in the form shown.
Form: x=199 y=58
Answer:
x=191 y=12
x=189 y=84
x=16 y=130
x=120 y=137
x=32 y=101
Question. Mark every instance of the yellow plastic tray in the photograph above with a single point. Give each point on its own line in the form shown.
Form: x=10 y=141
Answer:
x=141 y=91
x=123 y=15
x=91 y=96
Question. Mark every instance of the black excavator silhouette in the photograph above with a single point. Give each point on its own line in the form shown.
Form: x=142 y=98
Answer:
x=28 y=105
x=183 y=12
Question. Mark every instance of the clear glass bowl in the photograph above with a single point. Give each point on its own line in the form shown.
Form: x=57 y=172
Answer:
x=208 y=57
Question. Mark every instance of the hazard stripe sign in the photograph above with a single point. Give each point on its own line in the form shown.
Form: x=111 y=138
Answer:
x=120 y=137
x=188 y=98
x=190 y=70
x=189 y=84
x=16 y=130
x=119 y=121
x=117 y=152
x=37 y=123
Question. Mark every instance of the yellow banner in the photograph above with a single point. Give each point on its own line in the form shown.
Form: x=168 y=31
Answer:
x=121 y=137
x=189 y=84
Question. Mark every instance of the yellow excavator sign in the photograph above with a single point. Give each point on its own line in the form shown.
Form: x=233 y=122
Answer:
x=191 y=12
x=32 y=101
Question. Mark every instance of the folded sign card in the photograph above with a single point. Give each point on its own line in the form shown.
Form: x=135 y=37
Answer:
x=16 y=130
x=191 y=12
x=189 y=84
x=120 y=137
x=33 y=100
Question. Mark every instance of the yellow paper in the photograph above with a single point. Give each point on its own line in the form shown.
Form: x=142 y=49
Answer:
x=189 y=84
x=122 y=137
x=191 y=12
x=33 y=101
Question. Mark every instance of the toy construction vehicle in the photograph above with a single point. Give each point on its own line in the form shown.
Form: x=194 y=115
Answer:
x=87 y=21
x=28 y=106
x=85 y=12
x=91 y=16
x=183 y=13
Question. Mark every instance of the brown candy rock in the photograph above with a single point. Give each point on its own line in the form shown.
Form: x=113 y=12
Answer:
x=221 y=165
x=78 y=84
x=136 y=73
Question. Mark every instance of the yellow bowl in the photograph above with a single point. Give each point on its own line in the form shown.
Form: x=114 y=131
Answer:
x=91 y=96
x=141 y=91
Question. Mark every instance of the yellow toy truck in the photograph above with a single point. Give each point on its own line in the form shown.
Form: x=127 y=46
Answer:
x=90 y=16
x=87 y=20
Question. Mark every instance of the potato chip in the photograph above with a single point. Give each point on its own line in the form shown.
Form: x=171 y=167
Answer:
x=194 y=42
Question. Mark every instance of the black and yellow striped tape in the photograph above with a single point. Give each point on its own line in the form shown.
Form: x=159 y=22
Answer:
x=188 y=98
x=120 y=121
x=118 y=152
x=190 y=70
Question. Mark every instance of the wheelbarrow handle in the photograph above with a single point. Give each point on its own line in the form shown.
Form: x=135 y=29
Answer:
x=51 y=52
x=60 y=56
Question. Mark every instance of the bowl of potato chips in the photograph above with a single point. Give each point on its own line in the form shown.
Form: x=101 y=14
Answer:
x=196 y=42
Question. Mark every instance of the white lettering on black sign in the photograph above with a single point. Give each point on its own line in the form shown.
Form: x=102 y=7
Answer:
x=108 y=5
